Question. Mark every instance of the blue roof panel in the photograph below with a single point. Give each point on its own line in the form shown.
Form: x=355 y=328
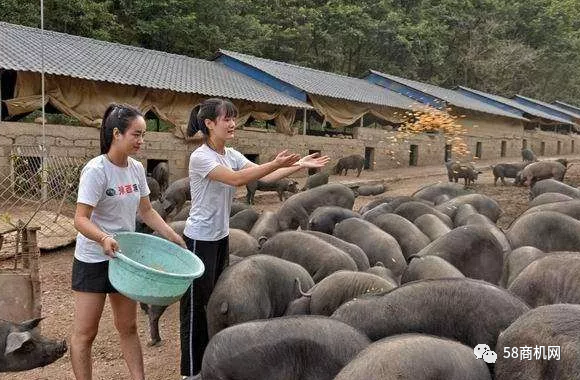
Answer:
x=546 y=107
x=513 y=104
x=324 y=83
x=452 y=97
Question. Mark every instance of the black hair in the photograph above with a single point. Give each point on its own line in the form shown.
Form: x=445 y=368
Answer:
x=117 y=116
x=210 y=109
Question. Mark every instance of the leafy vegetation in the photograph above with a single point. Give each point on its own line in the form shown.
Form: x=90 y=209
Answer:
x=502 y=46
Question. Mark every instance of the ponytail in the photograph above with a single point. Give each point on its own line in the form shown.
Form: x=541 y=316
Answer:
x=195 y=124
x=209 y=109
x=116 y=116
x=106 y=133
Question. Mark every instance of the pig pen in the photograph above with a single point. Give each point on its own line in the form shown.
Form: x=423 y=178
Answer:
x=162 y=362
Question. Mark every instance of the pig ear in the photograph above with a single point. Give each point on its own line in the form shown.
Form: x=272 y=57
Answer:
x=30 y=324
x=224 y=307
x=261 y=240
x=15 y=340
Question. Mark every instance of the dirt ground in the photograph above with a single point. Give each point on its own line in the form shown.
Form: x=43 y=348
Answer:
x=162 y=362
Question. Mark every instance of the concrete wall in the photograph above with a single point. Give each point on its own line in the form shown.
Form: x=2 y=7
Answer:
x=268 y=144
x=391 y=153
x=17 y=298
x=83 y=142
x=490 y=132
x=569 y=144
x=487 y=130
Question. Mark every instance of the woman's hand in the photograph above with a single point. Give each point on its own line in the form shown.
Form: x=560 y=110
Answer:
x=177 y=239
x=285 y=159
x=313 y=161
x=110 y=245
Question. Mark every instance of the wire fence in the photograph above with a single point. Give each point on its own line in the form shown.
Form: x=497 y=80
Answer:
x=40 y=191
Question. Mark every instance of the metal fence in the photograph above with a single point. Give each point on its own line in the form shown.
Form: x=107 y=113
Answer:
x=40 y=191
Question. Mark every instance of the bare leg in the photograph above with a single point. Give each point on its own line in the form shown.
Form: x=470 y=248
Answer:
x=125 y=315
x=88 y=309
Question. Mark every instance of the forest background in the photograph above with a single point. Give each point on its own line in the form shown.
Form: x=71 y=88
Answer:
x=504 y=47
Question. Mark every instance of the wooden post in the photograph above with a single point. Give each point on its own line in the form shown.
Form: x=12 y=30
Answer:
x=362 y=123
x=304 y=122
x=25 y=252
x=19 y=234
x=34 y=267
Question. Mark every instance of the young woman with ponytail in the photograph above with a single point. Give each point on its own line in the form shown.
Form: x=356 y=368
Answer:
x=214 y=172
x=112 y=189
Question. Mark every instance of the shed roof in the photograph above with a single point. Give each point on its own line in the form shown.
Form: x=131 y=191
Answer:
x=513 y=104
x=323 y=83
x=550 y=108
x=87 y=58
x=454 y=98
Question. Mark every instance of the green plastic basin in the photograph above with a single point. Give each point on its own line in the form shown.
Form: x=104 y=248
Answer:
x=152 y=270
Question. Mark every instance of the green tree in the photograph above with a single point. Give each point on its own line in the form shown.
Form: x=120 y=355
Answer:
x=530 y=47
x=79 y=17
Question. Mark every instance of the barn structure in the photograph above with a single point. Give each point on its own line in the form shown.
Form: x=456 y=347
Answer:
x=560 y=138
x=492 y=131
x=282 y=106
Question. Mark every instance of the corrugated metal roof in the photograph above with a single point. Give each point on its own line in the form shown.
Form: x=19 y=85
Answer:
x=324 y=83
x=569 y=107
x=522 y=107
x=549 y=106
x=450 y=96
x=86 y=58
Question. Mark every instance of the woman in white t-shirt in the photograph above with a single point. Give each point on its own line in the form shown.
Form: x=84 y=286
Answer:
x=112 y=189
x=214 y=172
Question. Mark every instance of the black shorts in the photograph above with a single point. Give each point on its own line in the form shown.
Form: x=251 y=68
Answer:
x=91 y=277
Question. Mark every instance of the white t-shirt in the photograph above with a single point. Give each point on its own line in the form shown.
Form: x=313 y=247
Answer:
x=114 y=192
x=209 y=217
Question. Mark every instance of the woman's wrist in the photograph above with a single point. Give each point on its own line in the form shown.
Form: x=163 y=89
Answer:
x=276 y=165
x=299 y=163
x=104 y=237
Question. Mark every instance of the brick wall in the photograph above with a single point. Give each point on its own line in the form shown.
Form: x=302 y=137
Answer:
x=568 y=143
x=490 y=132
x=83 y=142
x=268 y=144
x=391 y=153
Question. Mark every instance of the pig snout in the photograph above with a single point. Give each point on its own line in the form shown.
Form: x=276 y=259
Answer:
x=50 y=352
x=62 y=348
